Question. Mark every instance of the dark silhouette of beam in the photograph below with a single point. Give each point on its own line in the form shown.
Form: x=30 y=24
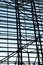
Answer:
x=19 y=44
x=34 y=24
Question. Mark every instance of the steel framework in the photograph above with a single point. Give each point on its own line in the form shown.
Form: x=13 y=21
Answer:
x=21 y=32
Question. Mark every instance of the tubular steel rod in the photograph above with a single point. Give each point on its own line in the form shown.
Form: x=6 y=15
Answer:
x=21 y=33
x=38 y=28
x=35 y=32
x=14 y=52
x=18 y=33
x=17 y=21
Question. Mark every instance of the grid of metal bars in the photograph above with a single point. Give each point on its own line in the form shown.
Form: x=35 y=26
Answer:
x=21 y=32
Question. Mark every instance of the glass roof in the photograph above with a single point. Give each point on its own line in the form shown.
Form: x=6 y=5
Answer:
x=21 y=32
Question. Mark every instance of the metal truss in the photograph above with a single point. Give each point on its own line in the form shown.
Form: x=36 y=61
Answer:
x=21 y=32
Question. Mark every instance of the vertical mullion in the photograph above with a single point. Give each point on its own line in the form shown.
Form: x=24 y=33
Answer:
x=18 y=34
x=42 y=58
x=28 y=59
x=16 y=7
x=38 y=27
x=35 y=32
x=7 y=38
x=20 y=44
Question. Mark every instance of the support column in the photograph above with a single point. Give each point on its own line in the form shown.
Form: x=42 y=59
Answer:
x=32 y=8
x=19 y=45
x=38 y=29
